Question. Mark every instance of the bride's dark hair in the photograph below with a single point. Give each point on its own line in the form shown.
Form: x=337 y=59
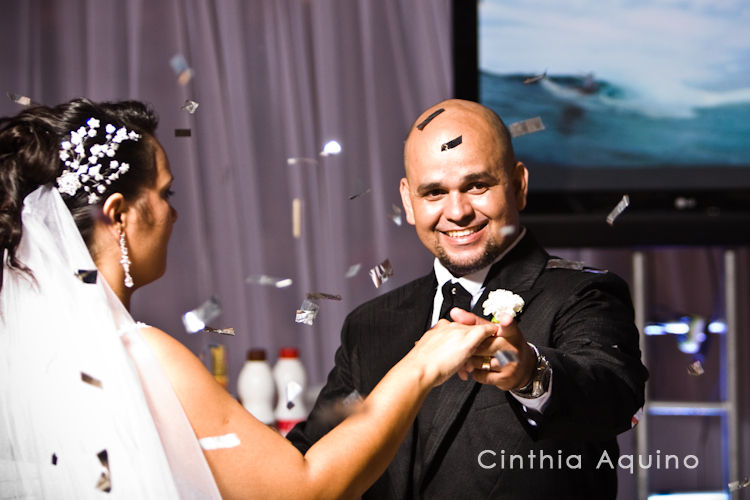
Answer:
x=30 y=157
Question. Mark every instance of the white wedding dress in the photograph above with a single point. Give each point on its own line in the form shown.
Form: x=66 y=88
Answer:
x=85 y=409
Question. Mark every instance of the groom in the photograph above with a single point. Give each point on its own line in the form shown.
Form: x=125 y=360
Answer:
x=541 y=426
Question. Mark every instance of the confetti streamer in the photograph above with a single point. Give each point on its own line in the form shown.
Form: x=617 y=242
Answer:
x=353 y=270
x=197 y=319
x=307 y=312
x=321 y=295
x=189 y=106
x=452 y=143
x=262 y=279
x=526 y=127
x=182 y=132
x=296 y=217
x=87 y=276
x=105 y=482
x=182 y=70
x=381 y=273
x=619 y=208
x=230 y=440
x=427 y=120
x=222 y=331
x=91 y=380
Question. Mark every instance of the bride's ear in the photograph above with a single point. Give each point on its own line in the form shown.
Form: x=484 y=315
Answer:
x=113 y=208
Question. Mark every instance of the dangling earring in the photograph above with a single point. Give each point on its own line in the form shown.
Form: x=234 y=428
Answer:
x=125 y=260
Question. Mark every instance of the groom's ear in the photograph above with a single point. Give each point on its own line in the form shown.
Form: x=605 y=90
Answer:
x=406 y=200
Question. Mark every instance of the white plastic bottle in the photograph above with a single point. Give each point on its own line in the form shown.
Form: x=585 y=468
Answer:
x=291 y=382
x=256 y=387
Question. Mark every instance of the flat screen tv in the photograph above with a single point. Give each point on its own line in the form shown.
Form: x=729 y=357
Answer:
x=649 y=99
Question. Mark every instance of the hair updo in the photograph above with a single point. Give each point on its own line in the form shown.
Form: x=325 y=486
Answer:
x=30 y=145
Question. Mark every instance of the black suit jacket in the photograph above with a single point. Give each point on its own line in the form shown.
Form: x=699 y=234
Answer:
x=483 y=443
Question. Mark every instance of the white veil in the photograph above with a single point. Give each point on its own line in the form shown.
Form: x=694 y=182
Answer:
x=75 y=421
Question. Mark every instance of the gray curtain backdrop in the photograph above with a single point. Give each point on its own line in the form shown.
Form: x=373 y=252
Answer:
x=276 y=79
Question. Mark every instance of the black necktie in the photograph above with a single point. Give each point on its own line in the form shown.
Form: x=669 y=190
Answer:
x=454 y=295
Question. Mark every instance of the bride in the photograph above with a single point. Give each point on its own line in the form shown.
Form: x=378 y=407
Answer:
x=93 y=403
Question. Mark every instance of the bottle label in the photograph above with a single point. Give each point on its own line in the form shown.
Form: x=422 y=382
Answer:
x=286 y=425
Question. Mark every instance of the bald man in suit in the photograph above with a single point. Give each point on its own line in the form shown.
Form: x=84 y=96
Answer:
x=538 y=422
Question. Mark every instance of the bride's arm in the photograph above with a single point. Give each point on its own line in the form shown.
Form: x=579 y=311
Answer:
x=347 y=460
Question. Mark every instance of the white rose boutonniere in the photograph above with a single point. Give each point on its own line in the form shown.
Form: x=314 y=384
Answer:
x=502 y=301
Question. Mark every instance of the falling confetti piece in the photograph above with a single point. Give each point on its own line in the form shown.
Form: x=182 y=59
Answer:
x=505 y=357
x=87 y=275
x=219 y=442
x=182 y=70
x=222 y=331
x=105 y=482
x=307 y=312
x=507 y=230
x=381 y=273
x=293 y=389
x=331 y=148
x=619 y=208
x=535 y=78
x=91 y=380
x=395 y=215
x=189 y=106
x=321 y=295
x=54 y=459
x=262 y=279
x=196 y=320
x=182 y=132
x=696 y=368
x=296 y=217
x=362 y=193
x=19 y=99
x=526 y=127
x=353 y=270
x=427 y=120
x=452 y=143
x=300 y=159
x=738 y=485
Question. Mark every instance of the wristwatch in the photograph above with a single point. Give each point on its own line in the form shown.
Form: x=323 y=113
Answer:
x=539 y=382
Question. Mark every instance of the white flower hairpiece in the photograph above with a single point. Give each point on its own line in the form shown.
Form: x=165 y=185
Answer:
x=502 y=301
x=92 y=172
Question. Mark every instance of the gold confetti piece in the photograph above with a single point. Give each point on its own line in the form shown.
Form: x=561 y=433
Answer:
x=353 y=270
x=307 y=312
x=526 y=127
x=196 y=320
x=619 y=208
x=296 y=217
x=87 y=275
x=262 y=279
x=452 y=143
x=738 y=485
x=381 y=273
x=91 y=380
x=219 y=442
x=321 y=295
x=223 y=331
x=427 y=120
x=182 y=132
x=105 y=482
x=189 y=106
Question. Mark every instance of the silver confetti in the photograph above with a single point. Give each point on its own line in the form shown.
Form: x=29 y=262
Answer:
x=738 y=485
x=307 y=312
x=19 y=99
x=361 y=193
x=507 y=230
x=299 y=159
x=222 y=331
x=381 y=273
x=85 y=377
x=321 y=295
x=230 y=440
x=696 y=368
x=189 y=106
x=331 y=148
x=505 y=357
x=353 y=270
x=619 y=208
x=105 y=481
x=526 y=127
x=182 y=70
x=262 y=279
x=427 y=120
x=54 y=459
x=395 y=215
x=293 y=389
x=197 y=319
x=87 y=276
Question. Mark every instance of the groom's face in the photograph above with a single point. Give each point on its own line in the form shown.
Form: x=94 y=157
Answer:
x=464 y=201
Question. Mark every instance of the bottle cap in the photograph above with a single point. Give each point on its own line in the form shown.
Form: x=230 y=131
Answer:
x=256 y=355
x=289 y=352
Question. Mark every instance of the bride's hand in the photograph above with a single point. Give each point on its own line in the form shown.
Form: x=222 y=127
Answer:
x=445 y=348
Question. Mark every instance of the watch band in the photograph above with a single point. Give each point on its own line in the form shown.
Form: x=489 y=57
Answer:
x=539 y=382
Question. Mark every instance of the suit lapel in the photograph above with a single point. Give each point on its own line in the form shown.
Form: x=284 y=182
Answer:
x=517 y=272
